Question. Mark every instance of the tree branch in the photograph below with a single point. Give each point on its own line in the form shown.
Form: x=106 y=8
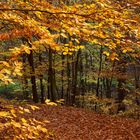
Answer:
x=44 y=11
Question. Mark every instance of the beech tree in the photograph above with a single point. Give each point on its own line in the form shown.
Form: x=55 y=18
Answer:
x=61 y=28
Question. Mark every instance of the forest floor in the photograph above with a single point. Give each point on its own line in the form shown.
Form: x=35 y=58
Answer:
x=44 y=122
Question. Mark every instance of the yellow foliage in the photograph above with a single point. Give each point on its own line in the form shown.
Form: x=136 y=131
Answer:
x=16 y=124
x=23 y=120
x=27 y=51
x=4 y=114
x=36 y=121
x=6 y=64
x=114 y=56
x=39 y=127
x=21 y=112
x=33 y=107
x=13 y=112
x=81 y=47
x=61 y=101
x=106 y=53
x=48 y=102
x=99 y=23
x=65 y=53
x=64 y=35
x=38 y=14
x=27 y=110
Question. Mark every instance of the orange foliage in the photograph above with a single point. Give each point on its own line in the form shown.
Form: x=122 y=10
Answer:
x=99 y=23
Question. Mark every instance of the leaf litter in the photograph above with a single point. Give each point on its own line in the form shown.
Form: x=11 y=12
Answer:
x=45 y=122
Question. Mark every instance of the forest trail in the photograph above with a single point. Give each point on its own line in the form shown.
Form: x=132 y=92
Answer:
x=33 y=121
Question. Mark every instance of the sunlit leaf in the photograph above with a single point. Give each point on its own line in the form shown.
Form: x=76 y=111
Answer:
x=13 y=112
x=34 y=107
x=64 y=35
x=4 y=113
x=106 y=53
x=65 y=53
x=27 y=110
x=23 y=120
x=16 y=124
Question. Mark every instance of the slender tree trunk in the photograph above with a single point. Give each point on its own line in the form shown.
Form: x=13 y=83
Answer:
x=41 y=83
x=42 y=90
x=68 y=82
x=86 y=71
x=108 y=88
x=99 y=72
x=51 y=79
x=62 y=78
x=121 y=81
x=54 y=79
x=48 y=86
x=74 y=78
x=25 y=80
x=137 y=77
x=32 y=71
x=82 y=85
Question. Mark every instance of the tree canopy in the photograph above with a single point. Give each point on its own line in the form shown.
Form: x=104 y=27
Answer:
x=42 y=23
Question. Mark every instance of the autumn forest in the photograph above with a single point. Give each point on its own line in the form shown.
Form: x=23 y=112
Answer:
x=69 y=70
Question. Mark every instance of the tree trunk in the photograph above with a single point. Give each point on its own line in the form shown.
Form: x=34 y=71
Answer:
x=41 y=83
x=108 y=88
x=32 y=72
x=68 y=82
x=62 y=78
x=51 y=78
x=25 y=80
x=99 y=72
x=121 y=81
x=74 y=78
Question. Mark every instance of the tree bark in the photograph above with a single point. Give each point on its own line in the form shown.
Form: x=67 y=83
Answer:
x=62 y=78
x=68 y=82
x=74 y=78
x=99 y=72
x=25 y=80
x=32 y=72
x=41 y=83
x=51 y=78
